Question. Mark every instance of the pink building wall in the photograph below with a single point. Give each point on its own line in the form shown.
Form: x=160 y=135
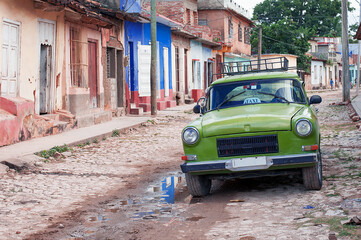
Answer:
x=218 y=20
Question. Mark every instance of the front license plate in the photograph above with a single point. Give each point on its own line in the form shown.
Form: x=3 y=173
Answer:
x=249 y=162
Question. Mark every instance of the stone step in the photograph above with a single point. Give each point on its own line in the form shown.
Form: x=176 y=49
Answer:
x=66 y=116
x=161 y=105
x=95 y=117
x=51 y=116
x=188 y=100
x=146 y=107
x=136 y=111
x=171 y=103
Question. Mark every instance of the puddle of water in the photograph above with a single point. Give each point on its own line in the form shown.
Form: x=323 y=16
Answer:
x=157 y=203
x=99 y=218
x=153 y=214
x=167 y=188
x=112 y=210
x=129 y=202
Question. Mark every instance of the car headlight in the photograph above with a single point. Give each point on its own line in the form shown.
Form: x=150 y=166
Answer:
x=303 y=127
x=190 y=135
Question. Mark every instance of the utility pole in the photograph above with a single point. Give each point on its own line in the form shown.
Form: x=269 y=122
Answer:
x=358 y=60
x=345 y=52
x=259 y=47
x=153 y=64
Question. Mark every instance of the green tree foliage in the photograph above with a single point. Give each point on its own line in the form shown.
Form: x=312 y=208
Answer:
x=287 y=25
x=321 y=16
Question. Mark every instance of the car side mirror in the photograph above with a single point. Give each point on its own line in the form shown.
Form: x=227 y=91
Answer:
x=315 y=99
x=197 y=109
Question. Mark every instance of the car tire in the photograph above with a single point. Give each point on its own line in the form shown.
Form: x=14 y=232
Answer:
x=198 y=185
x=312 y=176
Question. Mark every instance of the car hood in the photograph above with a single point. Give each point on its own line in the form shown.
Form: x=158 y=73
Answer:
x=252 y=118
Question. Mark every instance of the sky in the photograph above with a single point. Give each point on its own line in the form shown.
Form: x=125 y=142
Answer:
x=352 y=17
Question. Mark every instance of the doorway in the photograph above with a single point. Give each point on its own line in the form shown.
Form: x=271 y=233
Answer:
x=45 y=78
x=120 y=83
x=93 y=73
x=10 y=58
x=131 y=70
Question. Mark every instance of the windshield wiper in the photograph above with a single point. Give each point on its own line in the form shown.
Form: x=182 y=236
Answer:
x=274 y=95
x=228 y=99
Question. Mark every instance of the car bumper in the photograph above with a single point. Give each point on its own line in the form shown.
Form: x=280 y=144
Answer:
x=267 y=162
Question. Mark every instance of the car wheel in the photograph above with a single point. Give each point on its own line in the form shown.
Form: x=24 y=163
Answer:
x=312 y=176
x=198 y=185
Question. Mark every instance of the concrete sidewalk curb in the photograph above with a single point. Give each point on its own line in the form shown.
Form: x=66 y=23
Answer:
x=22 y=161
x=12 y=155
x=106 y=134
x=21 y=154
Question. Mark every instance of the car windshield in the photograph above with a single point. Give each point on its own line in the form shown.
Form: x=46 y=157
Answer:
x=255 y=92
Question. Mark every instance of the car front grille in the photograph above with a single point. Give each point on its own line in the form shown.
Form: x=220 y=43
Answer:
x=228 y=147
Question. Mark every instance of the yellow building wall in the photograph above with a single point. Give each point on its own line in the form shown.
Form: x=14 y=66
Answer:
x=23 y=11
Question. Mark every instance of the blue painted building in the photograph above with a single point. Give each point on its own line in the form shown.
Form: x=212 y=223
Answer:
x=137 y=72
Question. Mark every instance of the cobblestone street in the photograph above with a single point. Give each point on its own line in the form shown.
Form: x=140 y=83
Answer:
x=56 y=190
x=30 y=200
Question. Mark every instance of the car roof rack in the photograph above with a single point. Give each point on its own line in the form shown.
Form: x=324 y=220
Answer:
x=253 y=66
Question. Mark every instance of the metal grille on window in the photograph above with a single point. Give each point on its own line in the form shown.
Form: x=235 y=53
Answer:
x=230 y=25
x=111 y=63
x=247 y=35
x=78 y=59
x=240 y=33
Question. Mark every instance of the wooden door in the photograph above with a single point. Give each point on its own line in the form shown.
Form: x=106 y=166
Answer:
x=186 y=70
x=10 y=58
x=45 y=78
x=93 y=73
x=120 y=82
x=166 y=71
x=177 y=70
x=131 y=71
x=144 y=63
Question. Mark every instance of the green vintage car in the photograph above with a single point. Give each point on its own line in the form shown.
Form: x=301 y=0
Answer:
x=251 y=125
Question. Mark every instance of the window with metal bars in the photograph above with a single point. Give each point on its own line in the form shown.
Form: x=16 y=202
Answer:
x=78 y=59
x=230 y=26
x=240 y=32
x=111 y=63
x=247 y=35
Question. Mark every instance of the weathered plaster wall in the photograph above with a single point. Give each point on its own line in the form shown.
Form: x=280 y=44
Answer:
x=78 y=101
x=23 y=11
x=218 y=20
